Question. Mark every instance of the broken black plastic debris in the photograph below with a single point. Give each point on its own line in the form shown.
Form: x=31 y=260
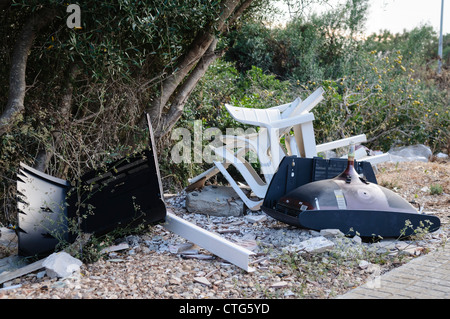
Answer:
x=127 y=193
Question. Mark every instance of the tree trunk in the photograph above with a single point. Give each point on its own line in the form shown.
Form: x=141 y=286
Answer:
x=170 y=84
x=197 y=50
x=45 y=153
x=17 y=84
x=176 y=108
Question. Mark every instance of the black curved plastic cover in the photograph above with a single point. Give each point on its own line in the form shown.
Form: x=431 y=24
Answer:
x=122 y=194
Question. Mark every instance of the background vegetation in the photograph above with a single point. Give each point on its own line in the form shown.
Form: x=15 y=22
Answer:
x=71 y=98
x=85 y=90
x=385 y=85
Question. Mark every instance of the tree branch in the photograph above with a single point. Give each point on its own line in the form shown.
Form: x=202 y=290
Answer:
x=239 y=11
x=185 y=90
x=66 y=100
x=170 y=84
x=45 y=153
x=198 y=48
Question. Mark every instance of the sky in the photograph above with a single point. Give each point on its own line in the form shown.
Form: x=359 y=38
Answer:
x=397 y=15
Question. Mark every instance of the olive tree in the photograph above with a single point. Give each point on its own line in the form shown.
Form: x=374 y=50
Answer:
x=76 y=83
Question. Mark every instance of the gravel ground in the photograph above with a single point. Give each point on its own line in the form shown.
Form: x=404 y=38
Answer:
x=151 y=268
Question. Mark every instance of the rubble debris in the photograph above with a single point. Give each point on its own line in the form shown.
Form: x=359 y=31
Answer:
x=137 y=199
x=114 y=248
x=363 y=264
x=209 y=241
x=10 y=287
x=279 y=284
x=203 y=281
x=164 y=275
x=21 y=271
x=331 y=233
x=190 y=252
x=197 y=256
x=176 y=249
x=215 y=201
x=314 y=245
x=61 y=265
x=248 y=244
x=255 y=218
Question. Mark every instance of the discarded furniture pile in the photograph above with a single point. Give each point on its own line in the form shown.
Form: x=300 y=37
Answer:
x=295 y=187
x=301 y=189
x=276 y=124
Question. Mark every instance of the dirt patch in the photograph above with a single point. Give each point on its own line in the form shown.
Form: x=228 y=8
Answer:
x=425 y=184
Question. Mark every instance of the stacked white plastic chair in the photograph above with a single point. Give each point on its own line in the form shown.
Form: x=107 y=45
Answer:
x=274 y=123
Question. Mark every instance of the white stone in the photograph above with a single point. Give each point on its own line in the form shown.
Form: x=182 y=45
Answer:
x=425 y=189
x=289 y=293
x=331 y=233
x=7 y=235
x=61 y=265
x=118 y=247
x=203 y=281
x=215 y=201
x=279 y=284
x=356 y=239
x=255 y=218
x=363 y=264
x=316 y=245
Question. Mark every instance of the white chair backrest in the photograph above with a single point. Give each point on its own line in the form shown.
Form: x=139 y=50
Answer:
x=291 y=108
x=310 y=102
x=257 y=117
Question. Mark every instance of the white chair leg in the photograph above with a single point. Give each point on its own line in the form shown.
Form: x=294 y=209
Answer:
x=258 y=186
x=341 y=143
x=251 y=204
x=206 y=174
x=376 y=159
x=305 y=139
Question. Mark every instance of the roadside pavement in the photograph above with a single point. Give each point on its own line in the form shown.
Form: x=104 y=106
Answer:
x=426 y=277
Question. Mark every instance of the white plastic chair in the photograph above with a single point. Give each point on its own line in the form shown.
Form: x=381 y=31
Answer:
x=274 y=123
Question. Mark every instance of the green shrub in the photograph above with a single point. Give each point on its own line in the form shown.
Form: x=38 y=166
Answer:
x=436 y=189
